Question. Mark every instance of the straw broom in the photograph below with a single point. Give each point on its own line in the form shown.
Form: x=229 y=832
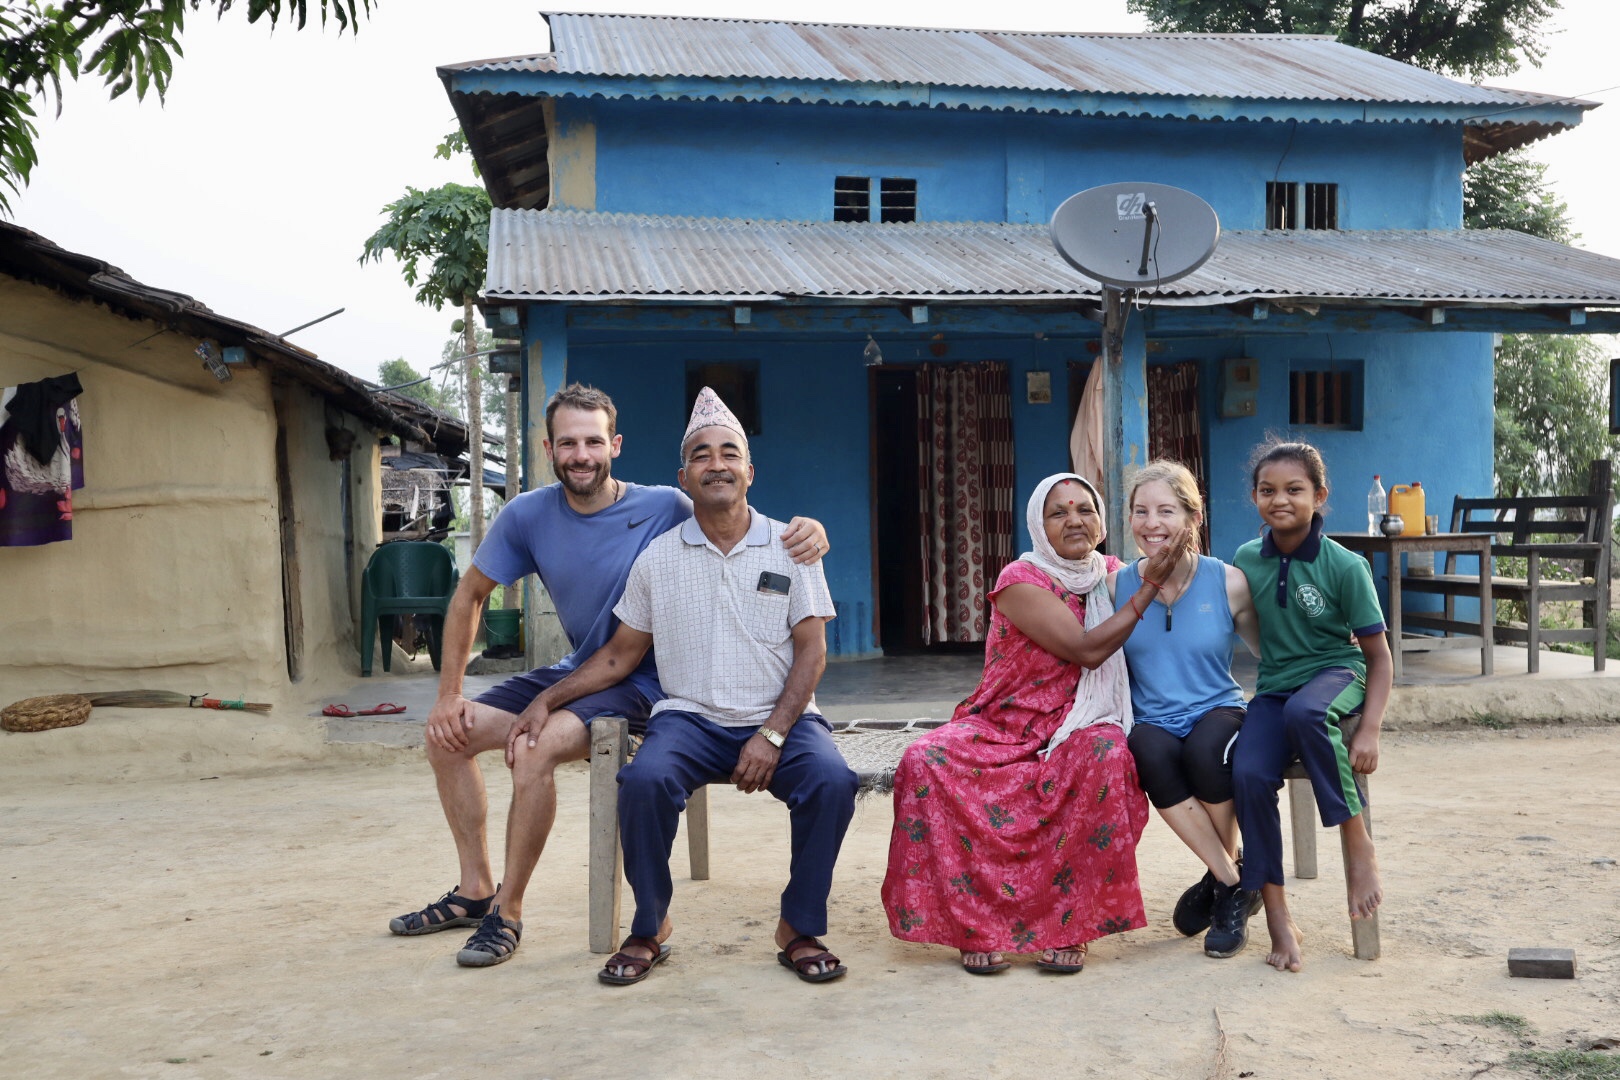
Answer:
x=169 y=699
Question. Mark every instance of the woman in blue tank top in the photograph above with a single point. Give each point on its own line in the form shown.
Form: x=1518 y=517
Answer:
x=1187 y=706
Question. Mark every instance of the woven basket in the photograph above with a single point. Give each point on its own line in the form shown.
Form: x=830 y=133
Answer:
x=44 y=713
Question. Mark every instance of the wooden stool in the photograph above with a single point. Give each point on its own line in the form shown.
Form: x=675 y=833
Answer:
x=610 y=749
x=1303 y=817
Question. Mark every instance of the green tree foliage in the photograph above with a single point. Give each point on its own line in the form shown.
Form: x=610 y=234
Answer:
x=441 y=236
x=1509 y=191
x=1472 y=38
x=441 y=392
x=131 y=44
x=1551 y=423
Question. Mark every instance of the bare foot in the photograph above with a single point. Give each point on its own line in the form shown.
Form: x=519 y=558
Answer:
x=1365 y=889
x=640 y=951
x=983 y=963
x=1286 y=939
x=1285 y=952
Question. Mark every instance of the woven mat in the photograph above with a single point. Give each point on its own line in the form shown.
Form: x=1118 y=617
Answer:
x=873 y=748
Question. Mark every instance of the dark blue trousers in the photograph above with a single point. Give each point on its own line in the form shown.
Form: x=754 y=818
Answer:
x=1300 y=725
x=684 y=751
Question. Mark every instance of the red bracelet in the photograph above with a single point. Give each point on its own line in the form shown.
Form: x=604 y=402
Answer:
x=1150 y=581
x=1134 y=608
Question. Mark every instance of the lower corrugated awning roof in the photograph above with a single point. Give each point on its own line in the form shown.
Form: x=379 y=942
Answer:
x=595 y=258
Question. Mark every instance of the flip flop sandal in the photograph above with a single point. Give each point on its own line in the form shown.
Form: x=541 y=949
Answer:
x=494 y=942
x=337 y=710
x=986 y=969
x=640 y=966
x=387 y=708
x=438 y=916
x=1066 y=969
x=802 y=967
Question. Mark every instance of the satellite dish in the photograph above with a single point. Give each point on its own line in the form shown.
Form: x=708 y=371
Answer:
x=1135 y=235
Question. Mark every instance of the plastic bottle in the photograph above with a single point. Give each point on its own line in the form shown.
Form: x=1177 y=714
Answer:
x=1377 y=505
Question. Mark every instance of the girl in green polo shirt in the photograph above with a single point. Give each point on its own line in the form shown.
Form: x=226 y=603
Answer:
x=1323 y=657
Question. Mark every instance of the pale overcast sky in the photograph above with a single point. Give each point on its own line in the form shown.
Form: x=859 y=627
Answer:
x=253 y=189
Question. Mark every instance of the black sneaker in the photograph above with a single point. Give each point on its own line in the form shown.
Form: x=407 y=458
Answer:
x=1229 y=920
x=1192 y=910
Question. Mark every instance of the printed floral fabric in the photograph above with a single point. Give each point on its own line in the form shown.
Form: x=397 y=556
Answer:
x=36 y=497
x=995 y=848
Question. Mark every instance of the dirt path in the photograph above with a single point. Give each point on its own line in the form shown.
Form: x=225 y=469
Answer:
x=236 y=927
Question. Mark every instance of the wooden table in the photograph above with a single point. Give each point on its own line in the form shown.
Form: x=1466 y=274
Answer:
x=1457 y=635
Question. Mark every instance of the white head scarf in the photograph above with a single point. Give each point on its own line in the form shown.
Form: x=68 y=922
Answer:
x=1104 y=693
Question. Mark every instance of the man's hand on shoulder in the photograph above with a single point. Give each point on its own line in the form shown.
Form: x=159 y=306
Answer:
x=805 y=540
x=448 y=723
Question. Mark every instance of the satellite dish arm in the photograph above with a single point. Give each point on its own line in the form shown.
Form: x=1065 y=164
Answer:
x=1150 y=214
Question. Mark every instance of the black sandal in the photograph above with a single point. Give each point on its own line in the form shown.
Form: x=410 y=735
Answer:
x=438 y=916
x=802 y=966
x=494 y=942
x=640 y=966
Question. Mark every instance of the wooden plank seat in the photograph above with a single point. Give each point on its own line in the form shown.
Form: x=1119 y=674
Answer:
x=1564 y=542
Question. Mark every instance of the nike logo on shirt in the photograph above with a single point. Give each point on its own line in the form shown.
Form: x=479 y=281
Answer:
x=634 y=524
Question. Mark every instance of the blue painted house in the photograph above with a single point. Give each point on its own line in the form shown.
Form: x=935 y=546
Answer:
x=843 y=229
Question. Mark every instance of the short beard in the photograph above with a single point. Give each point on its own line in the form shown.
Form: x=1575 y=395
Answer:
x=591 y=488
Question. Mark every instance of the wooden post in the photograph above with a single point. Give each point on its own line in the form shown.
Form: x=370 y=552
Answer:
x=697 y=833
x=1302 y=822
x=610 y=737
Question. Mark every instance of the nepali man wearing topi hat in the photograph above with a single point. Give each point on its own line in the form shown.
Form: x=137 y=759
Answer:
x=740 y=635
x=580 y=535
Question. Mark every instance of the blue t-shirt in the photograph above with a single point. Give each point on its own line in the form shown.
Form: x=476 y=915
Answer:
x=1179 y=674
x=583 y=559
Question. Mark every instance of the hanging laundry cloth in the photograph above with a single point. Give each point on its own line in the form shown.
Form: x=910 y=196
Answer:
x=41 y=461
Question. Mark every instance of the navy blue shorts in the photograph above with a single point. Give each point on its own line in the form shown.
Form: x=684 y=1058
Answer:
x=515 y=694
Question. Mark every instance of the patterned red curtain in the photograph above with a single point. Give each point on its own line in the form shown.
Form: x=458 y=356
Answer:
x=1173 y=420
x=966 y=459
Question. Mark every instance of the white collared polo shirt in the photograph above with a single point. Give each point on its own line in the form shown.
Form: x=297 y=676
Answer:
x=722 y=622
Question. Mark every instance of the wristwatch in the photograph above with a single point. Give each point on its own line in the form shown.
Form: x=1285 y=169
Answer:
x=775 y=738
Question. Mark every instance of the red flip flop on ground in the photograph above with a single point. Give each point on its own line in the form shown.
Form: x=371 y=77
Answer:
x=387 y=708
x=337 y=710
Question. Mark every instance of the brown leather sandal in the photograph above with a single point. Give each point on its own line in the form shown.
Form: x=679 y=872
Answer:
x=802 y=967
x=640 y=966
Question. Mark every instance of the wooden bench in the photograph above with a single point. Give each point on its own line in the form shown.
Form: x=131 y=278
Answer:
x=1564 y=541
x=611 y=744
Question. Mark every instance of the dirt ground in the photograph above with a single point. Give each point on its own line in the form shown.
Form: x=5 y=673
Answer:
x=236 y=926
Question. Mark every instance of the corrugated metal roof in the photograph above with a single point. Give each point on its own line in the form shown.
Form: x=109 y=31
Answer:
x=1230 y=66
x=31 y=257
x=591 y=257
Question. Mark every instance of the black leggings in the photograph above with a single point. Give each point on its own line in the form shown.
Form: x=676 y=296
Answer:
x=1174 y=770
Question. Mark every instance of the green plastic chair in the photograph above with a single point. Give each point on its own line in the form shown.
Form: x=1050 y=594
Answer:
x=406 y=577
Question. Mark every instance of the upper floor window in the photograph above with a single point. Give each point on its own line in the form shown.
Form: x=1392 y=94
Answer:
x=1326 y=395
x=896 y=198
x=1291 y=205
